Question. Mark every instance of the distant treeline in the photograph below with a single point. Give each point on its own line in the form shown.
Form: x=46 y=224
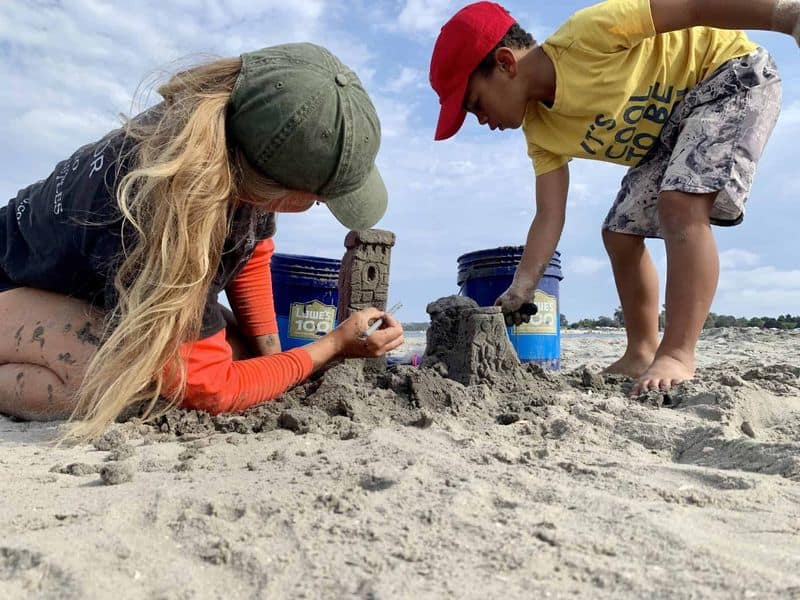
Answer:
x=786 y=321
x=713 y=320
x=416 y=326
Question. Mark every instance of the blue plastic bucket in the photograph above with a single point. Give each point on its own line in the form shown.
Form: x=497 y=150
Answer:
x=485 y=274
x=306 y=292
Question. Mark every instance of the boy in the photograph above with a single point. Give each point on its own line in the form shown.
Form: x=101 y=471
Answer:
x=669 y=88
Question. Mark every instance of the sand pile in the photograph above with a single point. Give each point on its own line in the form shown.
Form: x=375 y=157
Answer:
x=471 y=477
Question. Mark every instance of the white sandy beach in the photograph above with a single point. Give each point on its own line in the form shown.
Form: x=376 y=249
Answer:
x=403 y=486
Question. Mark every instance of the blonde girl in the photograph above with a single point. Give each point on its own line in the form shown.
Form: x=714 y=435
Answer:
x=110 y=268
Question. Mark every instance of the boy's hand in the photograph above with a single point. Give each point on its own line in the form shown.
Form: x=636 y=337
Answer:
x=512 y=301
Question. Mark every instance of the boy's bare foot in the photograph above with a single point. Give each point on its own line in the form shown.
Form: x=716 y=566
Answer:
x=630 y=365
x=664 y=373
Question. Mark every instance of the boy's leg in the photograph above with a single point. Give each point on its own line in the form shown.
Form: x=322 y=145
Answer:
x=718 y=133
x=637 y=285
x=692 y=275
x=632 y=219
x=698 y=173
x=46 y=343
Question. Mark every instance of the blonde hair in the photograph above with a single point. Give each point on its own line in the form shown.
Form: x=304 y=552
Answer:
x=178 y=197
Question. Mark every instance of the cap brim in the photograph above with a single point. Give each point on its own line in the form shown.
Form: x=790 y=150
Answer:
x=451 y=115
x=364 y=207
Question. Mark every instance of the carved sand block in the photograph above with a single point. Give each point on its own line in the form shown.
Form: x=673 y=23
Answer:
x=468 y=343
x=364 y=277
x=483 y=347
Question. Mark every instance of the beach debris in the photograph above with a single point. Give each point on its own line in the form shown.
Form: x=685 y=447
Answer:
x=121 y=452
x=116 y=473
x=424 y=420
x=76 y=469
x=591 y=380
x=110 y=440
x=379 y=478
x=508 y=418
x=293 y=421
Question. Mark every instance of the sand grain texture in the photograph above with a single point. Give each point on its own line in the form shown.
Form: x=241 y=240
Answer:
x=407 y=484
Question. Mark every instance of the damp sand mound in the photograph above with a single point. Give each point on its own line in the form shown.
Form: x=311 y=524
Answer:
x=472 y=476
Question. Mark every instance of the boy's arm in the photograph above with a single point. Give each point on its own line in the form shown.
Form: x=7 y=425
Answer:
x=543 y=236
x=768 y=15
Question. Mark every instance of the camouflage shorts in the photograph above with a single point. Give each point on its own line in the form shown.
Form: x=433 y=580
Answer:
x=711 y=143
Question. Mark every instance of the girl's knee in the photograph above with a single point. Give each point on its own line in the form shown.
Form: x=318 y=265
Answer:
x=48 y=330
x=34 y=393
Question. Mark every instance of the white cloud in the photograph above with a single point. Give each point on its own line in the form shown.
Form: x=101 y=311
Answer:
x=394 y=116
x=760 y=280
x=736 y=259
x=59 y=128
x=310 y=10
x=790 y=114
x=70 y=68
x=587 y=265
x=407 y=79
x=762 y=291
x=757 y=302
x=593 y=185
x=425 y=16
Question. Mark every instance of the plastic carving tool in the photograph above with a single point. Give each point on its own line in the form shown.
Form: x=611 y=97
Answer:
x=378 y=322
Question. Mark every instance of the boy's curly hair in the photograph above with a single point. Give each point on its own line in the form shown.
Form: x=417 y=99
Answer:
x=516 y=37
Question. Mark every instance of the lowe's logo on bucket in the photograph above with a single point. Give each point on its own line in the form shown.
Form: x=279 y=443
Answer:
x=546 y=317
x=309 y=320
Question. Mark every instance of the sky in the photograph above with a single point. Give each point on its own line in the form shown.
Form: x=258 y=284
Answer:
x=69 y=68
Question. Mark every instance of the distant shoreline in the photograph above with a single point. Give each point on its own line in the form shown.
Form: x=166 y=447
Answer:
x=619 y=330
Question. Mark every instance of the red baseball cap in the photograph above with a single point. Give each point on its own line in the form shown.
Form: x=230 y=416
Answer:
x=463 y=43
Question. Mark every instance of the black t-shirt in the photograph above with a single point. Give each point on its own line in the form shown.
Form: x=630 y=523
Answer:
x=62 y=234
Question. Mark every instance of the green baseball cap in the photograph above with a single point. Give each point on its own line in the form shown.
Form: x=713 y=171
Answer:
x=303 y=118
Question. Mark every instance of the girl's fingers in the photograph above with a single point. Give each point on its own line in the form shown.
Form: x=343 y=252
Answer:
x=371 y=312
x=384 y=336
x=389 y=321
x=395 y=344
x=384 y=340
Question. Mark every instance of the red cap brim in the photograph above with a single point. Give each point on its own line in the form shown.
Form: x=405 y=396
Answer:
x=451 y=115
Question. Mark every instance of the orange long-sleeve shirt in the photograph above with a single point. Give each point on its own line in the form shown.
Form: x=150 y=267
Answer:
x=250 y=293
x=215 y=382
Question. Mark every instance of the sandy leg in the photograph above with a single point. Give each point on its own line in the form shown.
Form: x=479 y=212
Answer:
x=692 y=275
x=637 y=285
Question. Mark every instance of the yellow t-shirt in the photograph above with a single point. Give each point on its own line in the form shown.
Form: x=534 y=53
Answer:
x=617 y=81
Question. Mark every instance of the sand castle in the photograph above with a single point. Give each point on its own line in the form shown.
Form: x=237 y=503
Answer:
x=465 y=342
x=468 y=343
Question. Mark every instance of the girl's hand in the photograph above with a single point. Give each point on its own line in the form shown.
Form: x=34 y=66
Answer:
x=350 y=335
